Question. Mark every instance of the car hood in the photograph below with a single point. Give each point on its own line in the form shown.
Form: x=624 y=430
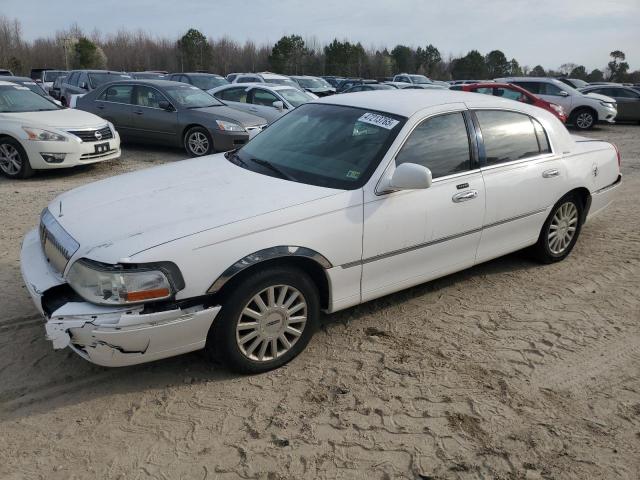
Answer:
x=115 y=218
x=598 y=96
x=224 y=112
x=64 y=119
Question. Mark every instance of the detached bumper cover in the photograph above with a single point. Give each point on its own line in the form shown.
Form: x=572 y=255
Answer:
x=600 y=199
x=112 y=336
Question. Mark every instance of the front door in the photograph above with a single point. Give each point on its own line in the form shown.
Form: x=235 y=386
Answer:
x=413 y=236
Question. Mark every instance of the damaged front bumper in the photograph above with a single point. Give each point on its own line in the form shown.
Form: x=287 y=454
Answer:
x=111 y=336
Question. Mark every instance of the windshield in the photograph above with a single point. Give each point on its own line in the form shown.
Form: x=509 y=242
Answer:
x=51 y=75
x=419 y=79
x=17 y=99
x=577 y=83
x=311 y=83
x=207 y=82
x=191 y=97
x=34 y=87
x=326 y=145
x=148 y=76
x=282 y=81
x=97 y=79
x=294 y=96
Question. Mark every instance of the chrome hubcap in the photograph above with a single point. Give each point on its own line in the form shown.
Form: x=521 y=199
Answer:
x=562 y=228
x=584 y=120
x=10 y=161
x=271 y=323
x=198 y=143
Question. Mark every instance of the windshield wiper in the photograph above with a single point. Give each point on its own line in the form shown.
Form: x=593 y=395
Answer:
x=232 y=156
x=273 y=168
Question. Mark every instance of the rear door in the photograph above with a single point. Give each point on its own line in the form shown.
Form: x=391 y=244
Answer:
x=152 y=123
x=523 y=177
x=114 y=103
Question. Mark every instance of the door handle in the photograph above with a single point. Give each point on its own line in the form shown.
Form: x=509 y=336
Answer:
x=101 y=107
x=464 y=196
x=553 y=172
x=138 y=112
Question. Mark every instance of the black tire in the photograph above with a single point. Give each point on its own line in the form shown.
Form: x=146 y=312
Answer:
x=198 y=142
x=545 y=250
x=9 y=146
x=224 y=341
x=584 y=118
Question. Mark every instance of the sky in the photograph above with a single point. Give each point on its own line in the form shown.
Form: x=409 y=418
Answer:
x=545 y=32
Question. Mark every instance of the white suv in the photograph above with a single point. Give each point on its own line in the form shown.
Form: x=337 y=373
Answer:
x=583 y=110
x=414 y=79
x=265 y=77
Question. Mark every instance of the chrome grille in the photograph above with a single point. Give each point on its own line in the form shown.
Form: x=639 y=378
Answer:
x=93 y=135
x=58 y=246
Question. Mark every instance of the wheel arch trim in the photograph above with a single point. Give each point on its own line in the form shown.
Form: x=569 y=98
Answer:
x=271 y=253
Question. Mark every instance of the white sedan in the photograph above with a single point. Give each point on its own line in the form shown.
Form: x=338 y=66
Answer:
x=341 y=201
x=36 y=134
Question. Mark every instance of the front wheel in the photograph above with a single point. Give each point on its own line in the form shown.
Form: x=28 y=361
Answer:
x=14 y=162
x=266 y=321
x=584 y=119
x=560 y=231
x=198 y=142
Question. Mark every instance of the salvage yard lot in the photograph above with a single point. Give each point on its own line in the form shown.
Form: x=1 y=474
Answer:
x=506 y=370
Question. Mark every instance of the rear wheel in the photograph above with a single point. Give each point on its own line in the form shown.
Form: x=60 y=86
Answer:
x=584 y=118
x=14 y=162
x=198 y=142
x=560 y=232
x=266 y=320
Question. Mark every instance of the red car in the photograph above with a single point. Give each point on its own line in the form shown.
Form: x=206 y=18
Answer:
x=513 y=92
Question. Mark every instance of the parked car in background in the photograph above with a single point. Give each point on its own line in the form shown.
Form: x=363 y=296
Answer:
x=350 y=82
x=6 y=73
x=423 y=86
x=46 y=77
x=341 y=201
x=54 y=91
x=332 y=80
x=80 y=82
x=148 y=75
x=204 y=81
x=367 y=87
x=573 y=82
x=266 y=77
x=171 y=113
x=627 y=99
x=36 y=134
x=407 y=78
x=316 y=85
x=231 y=76
x=583 y=110
x=513 y=92
x=35 y=87
x=263 y=99
x=463 y=82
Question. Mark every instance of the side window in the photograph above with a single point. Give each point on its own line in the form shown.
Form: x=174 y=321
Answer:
x=621 y=93
x=117 y=94
x=263 y=97
x=357 y=88
x=233 y=95
x=84 y=78
x=508 y=93
x=507 y=136
x=541 y=135
x=148 y=97
x=73 y=78
x=440 y=143
x=533 y=87
x=550 y=89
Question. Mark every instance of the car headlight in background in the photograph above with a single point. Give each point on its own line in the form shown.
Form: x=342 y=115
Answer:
x=41 y=135
x=116 y=285
x=229 y=126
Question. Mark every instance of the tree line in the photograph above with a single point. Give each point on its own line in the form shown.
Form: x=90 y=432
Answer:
x=138 y=51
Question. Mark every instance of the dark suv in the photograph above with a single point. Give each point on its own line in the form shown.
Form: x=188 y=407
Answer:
x=79 y=82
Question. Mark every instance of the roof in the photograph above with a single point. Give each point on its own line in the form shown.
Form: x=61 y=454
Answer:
x=14 y=78
x=407 y=102
x=269 y=86
x=195 y=74
x=148 y=81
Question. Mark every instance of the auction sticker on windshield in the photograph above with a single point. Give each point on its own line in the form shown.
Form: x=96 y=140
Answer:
x=378 y=120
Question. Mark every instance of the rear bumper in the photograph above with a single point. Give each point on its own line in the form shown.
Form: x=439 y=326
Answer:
x=111 y=336
x=600 y=199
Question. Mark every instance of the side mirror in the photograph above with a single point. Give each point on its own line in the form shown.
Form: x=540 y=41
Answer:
x=164 y=105
x=408 y=176
x=563 y=93
x=279 y=105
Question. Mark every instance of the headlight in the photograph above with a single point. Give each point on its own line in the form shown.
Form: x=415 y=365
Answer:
x=115 y=285
x=229 y=126
x=608 y=104
x=43 y=135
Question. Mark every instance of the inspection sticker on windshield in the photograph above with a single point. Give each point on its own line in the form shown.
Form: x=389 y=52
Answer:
x=353 y=174
x=378 y=120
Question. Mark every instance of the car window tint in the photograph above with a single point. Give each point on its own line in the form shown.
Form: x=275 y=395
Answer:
x=117 y=94
x=533 y=87
x=440 y=143
x=73 y=78
x=148 y=97
x=550 y=89
x=233 y=95
x=508 y=93
x=621 y=93
x=263 y=97
x=507 y=136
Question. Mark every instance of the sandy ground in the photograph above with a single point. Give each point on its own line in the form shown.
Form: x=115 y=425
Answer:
x=508 y=370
